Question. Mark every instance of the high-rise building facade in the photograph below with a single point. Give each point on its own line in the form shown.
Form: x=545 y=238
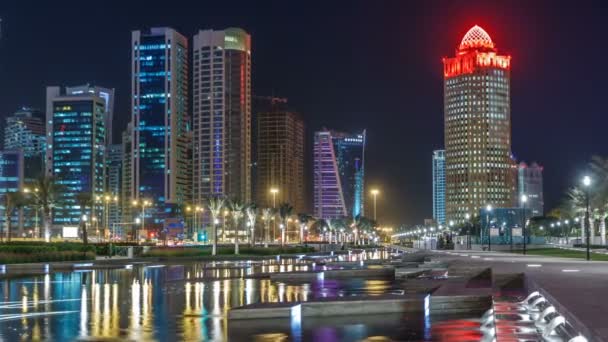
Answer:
x=479 y=167
x=439 y=186
x=25 y=131
x=280 y=159
x=221 y=77
x=105 y=93
x=114 y=158
x=126 y=176
x=339 y=177
x=160 y=124
x=76 y=150
x=530 y=183
x=11 y=180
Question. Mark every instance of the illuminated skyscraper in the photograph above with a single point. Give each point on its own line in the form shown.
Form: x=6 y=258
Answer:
x=280 y=158
x=339 y=165
x=222 y=115
x=106 y=94
x=76 y=150
x=161 y=136
x=25 y=131
x=479 y=168
x=439 y=186
x=530 y=183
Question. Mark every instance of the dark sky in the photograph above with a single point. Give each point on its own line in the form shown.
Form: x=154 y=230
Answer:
x=350 y=65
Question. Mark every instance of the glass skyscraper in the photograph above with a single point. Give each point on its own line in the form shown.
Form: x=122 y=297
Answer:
x=25 y=131
x=530 y=183
x=477 y=122
x=439 y=186
x=161 y=132
x=222 y=115
x=76 y=150
x=11 y=180
x=339 y=174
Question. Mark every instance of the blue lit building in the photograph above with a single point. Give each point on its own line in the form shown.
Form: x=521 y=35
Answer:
x=76 y=148
x=439 y=186
x=11 y=180
x=530 y=183
x=339 y=174
x=25 y=131
x=161 y=140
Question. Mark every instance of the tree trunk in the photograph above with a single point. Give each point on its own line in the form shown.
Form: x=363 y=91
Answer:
x=603 y=229
x=236 y=237
x=214 y=248
x=47 y=227
x=8 y=229
x=283 y=234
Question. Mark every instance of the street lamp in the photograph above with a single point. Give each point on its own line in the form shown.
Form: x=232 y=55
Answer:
x=144 y=204
x=375 y=193
x=488 y=210
x=274 y=192
x=587 y=184
x=523 y=200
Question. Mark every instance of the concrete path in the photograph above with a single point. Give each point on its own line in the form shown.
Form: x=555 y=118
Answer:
x=577 y=288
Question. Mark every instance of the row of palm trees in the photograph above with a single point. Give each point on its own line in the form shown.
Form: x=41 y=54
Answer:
x=44 y=197
x=575 y=203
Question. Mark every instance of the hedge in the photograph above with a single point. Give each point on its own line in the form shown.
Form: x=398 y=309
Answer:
x=21 y=258
x=205 y=251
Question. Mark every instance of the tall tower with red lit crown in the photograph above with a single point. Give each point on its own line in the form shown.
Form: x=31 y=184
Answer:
x=480 y=170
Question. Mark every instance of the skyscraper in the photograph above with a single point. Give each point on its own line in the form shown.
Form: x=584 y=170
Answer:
x=114 y=158
x=339 y=165
x=161 y=133
x=222 y=115
x=530 y=183
x=280 y=158
x=106 y=94
x=439 y=186
x=25 y=131
x=479 y=168
x=76 y=150
x=11 y=180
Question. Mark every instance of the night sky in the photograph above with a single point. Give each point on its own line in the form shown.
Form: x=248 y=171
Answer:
x=350 y=65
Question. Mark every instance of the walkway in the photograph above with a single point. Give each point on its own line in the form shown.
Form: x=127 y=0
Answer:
x=577 y=288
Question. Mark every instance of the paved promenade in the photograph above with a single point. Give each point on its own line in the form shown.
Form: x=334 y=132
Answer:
x=577 y=288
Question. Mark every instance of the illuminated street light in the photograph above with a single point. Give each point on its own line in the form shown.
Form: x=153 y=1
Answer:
x=587 y=184
x=375 y=193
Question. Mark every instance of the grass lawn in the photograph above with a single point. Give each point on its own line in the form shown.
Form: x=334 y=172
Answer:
x=564 y=253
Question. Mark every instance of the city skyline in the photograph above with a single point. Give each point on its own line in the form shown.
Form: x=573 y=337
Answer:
x=410 y=190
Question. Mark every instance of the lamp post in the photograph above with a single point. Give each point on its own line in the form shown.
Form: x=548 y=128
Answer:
x=523 y=200
x=488 y=210
x=587 y=184
x=144 y=204
x=274 y=192
x=375 y=193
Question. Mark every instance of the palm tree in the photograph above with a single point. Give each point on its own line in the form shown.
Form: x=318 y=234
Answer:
x=12 y=201
x=267 y=214
x=237 y=212
x=47 y=198
x=84 y=200
x=285 y=211
x=215 y=208
x=304 y=219
x=252 y=214
x=576 y=206
x=331 y=227
x=599 y=168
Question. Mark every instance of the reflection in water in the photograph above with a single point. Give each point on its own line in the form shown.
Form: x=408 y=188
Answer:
x=155 y=303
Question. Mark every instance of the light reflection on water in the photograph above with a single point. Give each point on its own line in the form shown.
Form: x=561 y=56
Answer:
x=187 y=301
